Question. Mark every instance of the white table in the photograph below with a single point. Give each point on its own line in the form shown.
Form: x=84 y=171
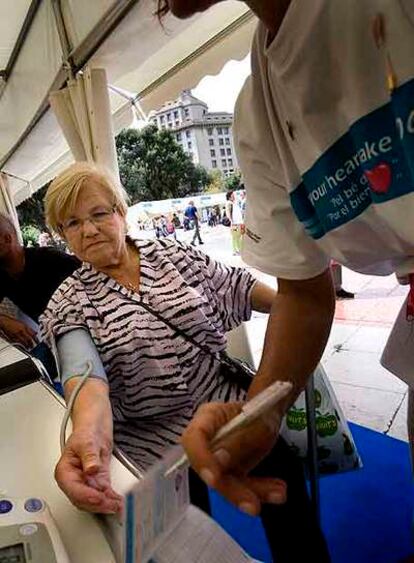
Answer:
x=30 y=420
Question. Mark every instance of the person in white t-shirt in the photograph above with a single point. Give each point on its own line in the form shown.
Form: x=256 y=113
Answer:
x=233 y=212
x=324 y=130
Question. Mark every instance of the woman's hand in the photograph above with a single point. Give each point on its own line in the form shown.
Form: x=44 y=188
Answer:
x=83 y=473
x=17 y=331
x=226 y=469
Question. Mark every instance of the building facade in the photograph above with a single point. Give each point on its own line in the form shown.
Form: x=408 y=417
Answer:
x=205 y=136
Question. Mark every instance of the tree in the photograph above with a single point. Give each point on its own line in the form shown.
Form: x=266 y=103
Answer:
x=233 y=182
x=30 y=234
x=31 y=211
x=153 y=166
x=216 y=184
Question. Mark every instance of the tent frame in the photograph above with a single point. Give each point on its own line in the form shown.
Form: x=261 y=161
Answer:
x=76 y=58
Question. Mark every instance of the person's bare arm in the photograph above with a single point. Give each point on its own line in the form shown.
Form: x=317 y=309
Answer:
x=263 y=297
x=296 y=336
x=92 y=408
x=297 y=332
x=18 y=331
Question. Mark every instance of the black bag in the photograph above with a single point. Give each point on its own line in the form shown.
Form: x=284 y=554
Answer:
x=226 y=221
x=231 y=369
x=238 y=371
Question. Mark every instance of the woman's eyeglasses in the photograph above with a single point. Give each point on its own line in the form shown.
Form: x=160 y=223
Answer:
x=98 y=218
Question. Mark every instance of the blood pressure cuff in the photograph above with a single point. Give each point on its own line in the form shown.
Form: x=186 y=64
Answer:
x=75 y=349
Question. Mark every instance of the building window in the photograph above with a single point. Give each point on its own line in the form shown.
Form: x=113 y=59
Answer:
x=178 y=136
x=226 y=130
x=177 y=123
x=188 y=133
x=228 y=152
x=209 y=130
x=175 y=114
x=161 y=119
x=170 y=125
x=212 y=152
x=222 y=152
x=219 y=131
x=223 y=162
x=221 y=141
x=211 y=142
x=190 y=145
x=227 y=140
x=168 y=117
x=186 y=112
x=231 y=170
x=214 y=163
x=231 y=163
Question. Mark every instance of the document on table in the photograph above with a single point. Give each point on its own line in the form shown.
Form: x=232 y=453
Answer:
x=163 y=527
x=197 y=538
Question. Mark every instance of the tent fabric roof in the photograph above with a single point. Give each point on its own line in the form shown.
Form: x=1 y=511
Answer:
x=154 y=61
x=12 y=15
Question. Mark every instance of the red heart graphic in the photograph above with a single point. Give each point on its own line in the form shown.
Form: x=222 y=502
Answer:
x=379 y=178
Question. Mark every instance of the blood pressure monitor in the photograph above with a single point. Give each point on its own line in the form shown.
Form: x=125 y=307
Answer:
x=28 y=533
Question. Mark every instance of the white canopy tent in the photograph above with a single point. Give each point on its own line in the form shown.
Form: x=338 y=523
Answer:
x=39 y=37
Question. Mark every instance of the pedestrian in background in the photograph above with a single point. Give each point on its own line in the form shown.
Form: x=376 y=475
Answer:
x=192 y=215
x=234 y=214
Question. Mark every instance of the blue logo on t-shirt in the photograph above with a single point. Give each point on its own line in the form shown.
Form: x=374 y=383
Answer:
x=372 y=163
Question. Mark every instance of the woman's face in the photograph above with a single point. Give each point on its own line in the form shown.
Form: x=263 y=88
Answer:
x=94 y=231
x=186 y=8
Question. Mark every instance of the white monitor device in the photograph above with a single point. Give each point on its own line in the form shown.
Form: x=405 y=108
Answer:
x=28 y=533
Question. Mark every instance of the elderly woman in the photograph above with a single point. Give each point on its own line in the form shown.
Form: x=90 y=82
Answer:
x=151 y=316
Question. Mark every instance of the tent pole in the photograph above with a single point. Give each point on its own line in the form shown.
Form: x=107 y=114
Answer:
x=24 y=31
x=64 y=38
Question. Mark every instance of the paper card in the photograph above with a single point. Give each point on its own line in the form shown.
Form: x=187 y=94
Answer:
x=154 y=508
x=162 y=526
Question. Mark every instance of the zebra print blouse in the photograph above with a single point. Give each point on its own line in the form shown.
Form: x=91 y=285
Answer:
x=157 y=378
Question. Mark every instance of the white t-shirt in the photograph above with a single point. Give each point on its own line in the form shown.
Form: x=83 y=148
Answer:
x=234 y=212
x=327 y=153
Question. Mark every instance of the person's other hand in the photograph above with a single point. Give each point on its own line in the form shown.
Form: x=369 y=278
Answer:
x=83 y=473
x=17 y=331
x=226 y=467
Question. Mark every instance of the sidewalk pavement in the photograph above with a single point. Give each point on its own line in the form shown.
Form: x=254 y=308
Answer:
x=368 y=394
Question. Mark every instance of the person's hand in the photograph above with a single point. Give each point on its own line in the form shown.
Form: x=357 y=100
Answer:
x=226 y=467
x=17 y=331
x=83 y=473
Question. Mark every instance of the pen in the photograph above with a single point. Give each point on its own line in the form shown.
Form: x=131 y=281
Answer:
x=251 y=410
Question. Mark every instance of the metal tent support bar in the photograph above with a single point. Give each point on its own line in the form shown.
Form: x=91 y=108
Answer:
x=312 y=446
x=30 y=16
x=63 y=37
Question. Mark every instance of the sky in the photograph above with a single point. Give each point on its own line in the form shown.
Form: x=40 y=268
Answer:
x=220 y=92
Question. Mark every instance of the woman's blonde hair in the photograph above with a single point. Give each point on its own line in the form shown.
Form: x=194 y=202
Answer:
x=61 y=196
